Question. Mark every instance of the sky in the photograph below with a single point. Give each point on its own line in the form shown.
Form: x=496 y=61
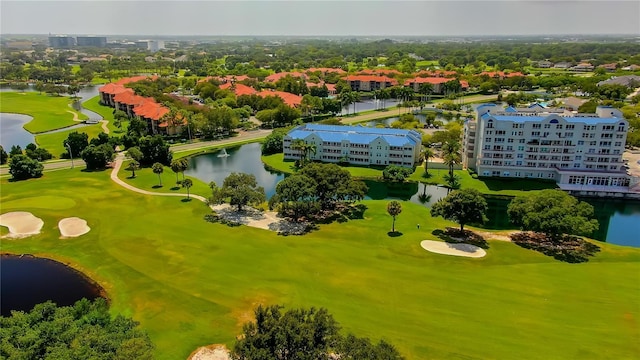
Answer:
x=309 y=18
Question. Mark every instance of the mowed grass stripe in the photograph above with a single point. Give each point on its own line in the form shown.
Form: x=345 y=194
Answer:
x=192 y=283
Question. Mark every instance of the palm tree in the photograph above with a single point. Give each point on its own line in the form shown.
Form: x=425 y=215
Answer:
x=133 y=166
x=394 y=209
x=187 y=183
x=451 y=155
x=427 y=153
x=300 y=146
x=158 y=169
x=179 y=166
x=426 y=89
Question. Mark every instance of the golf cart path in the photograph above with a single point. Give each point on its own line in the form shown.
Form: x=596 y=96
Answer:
x=103 y=122
x=266 y=220
x=114 y=177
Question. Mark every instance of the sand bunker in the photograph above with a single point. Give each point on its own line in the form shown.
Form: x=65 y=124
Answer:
x=445 y=248
x=73 y=227
x=267 y=220
x=211 y=352
x=21 y=224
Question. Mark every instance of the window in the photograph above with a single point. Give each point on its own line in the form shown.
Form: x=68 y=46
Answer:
x=521 y=141
x=520 y=148
x=570 y=127
x=489 y=132
x=487 y=140
x=559 y=126
x=535 y=133
x=547 y=126
x=580 y=142
x=520 y=156
x=510 y=140
x=518 y=163
x=536 y=126
x=618 y=143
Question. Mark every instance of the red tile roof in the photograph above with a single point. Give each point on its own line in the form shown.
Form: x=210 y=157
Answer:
x=239 y=89
x=464 y=84
x=429 y=80
x=369 y=78
x=290 y=99
x=330 y=87
x=277 y=76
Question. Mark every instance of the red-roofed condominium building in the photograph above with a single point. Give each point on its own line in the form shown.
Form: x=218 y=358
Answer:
x=370 y=82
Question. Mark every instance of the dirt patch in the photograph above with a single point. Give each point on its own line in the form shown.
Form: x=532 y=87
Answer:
x=21 y=224
x=73 y=227
x=455 y=249
x=211 y=352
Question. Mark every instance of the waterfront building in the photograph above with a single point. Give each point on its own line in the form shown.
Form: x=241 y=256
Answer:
x=580 y=152
x=62 y=42
x=356 y=145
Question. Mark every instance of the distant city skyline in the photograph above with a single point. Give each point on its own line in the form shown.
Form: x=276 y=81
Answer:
x=320 y=18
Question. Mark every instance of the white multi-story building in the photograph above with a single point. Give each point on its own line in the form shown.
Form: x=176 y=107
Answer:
x=580 y=152
x=356 y=144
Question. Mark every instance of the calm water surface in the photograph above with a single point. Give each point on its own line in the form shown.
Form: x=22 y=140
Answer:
x=26 y=281
x=619 y=220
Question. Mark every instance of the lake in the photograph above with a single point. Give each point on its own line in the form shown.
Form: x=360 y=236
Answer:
x=26 y=281
x=11 y=125
x=244 y=159
x=619 y=219
x=12 y=131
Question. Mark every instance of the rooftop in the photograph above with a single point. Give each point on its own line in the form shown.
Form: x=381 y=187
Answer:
x=356 y=134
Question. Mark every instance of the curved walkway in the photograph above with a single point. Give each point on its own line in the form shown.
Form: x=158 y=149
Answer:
x=114 y=177
x=267 y=220
x=103 y=122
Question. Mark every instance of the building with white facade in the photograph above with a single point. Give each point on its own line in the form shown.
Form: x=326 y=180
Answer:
x=357 y=145
x=581 y=152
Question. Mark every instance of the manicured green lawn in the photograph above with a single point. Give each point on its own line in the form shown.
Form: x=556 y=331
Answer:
x=48 y=112
x=106 y=112
x=53 y=142
x=145 y=179
x=192 y=283
x=505 y=187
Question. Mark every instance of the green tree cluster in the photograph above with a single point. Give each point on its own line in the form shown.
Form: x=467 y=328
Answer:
x=316 y=187
x=22 y=167
x=303 y=334
x=552 y=212
x=462 y=206
x=396 y=173
x=85 y=330
x=240 y=189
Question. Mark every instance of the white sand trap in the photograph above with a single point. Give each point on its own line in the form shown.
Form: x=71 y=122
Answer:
x=440 y=247
x=21 y=224
x=211 y=352
x=73 y=227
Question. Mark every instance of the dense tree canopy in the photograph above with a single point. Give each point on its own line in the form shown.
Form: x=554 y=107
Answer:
x=97 y=157
x=155 y=149
x=85 y=330
x=241 y=189
x=462 y=206
x=22 y=167
x=77 y=142
x=333 y=184
x=396 y=173
x=552 y=212
x=303 y=334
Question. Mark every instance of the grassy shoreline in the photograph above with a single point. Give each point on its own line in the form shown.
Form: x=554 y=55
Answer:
x=192 y=283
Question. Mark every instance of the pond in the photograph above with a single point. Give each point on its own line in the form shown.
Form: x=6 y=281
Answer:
x=245 y=159
x=619 y=220
x=11 y=125
x=12 y=131
x=367 y=105
x=26 y=281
